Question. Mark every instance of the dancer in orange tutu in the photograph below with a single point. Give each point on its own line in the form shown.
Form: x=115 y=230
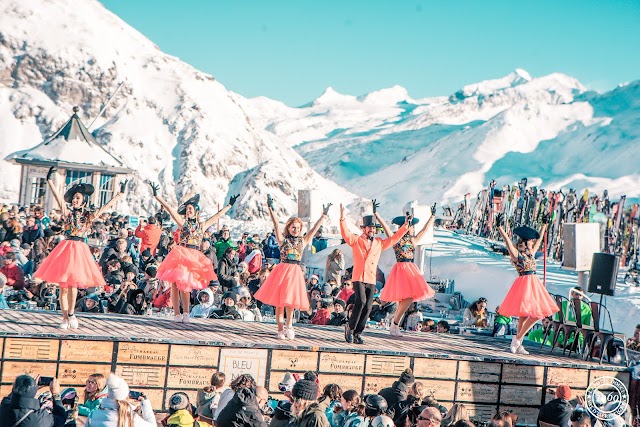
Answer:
x=405 y=283
x=285 y=288
x=71 y=264
x=527 y=299
x=186 y=267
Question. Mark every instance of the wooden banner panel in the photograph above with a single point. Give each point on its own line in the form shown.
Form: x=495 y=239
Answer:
x=11 y=370
x=2 y=347
x=294 y=361
x=5 y=390
x=526 y=416
x=348 y=363
x=624 y=377
x=480 y=412
x=441 y=390
x=521 y=395
x=155 y=396
x=568 y=376
x=194 y=355
x=184 y=378
x=346 y=382
x=142 y=376
x=387 y=365
x=143 y=353
x=478 y=371
x=434 y=368
x=76 y=374
x=86 y=351
x=523 y=374
x=31 y=349
x=238 y=361
x=477 y=393
x=372 y=385
x=193 y=397
x=275 y=377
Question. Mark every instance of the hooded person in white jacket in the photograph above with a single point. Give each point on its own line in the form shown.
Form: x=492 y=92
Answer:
x=108 y=413
x=206 y=305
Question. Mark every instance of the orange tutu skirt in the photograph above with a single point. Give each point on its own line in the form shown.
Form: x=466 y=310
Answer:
x=528 y=297
x=285 y=287
x=405 y=281
x=188 y=268
x=71 y=265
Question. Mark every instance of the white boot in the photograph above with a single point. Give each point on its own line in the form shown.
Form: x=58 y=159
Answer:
x=515 y=344
x=394 y=330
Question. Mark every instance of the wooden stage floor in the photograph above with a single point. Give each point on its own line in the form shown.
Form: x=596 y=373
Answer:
x=238 y=334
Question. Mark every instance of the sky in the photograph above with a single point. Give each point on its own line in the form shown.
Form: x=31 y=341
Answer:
x=292 y=50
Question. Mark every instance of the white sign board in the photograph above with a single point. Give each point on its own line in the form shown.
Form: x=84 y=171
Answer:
x=237 y=361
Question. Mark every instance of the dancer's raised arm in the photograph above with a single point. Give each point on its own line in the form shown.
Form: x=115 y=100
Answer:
x=513 y=251
x=428 y=225
x=208 y=223
x=54 y=191
x=114 y=199
x=316 y=227
x=543 y=230
x=274 y=220
x=174 y=214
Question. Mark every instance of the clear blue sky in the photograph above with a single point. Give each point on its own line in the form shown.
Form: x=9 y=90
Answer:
x=291 y=50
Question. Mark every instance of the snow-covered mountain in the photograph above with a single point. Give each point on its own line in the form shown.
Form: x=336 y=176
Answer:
x=389 y=146
x=170 y=122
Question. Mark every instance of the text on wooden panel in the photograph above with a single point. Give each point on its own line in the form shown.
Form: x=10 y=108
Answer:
x=143 y=353
x=86 y=351
x=194 y=355
x=342 y=362
x=294 y=361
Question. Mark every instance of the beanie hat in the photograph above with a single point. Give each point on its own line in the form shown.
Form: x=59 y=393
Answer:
x=151 y=271
x=25 y=386
x=311 y=376
x=407 y=377
x=178 y=401
x=93 y=297
x=118 y=388
x=341 y=303
x=305 y=390
x=563 y=392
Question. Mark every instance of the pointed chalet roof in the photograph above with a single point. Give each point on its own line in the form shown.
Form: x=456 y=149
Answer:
x=71 y=146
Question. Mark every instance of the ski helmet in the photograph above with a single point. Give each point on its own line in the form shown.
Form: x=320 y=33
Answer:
x=375 y=405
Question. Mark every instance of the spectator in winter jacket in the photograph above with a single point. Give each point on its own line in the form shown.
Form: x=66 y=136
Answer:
x=88 y=304
x=557 y=411
x=32 y=231
x=22 y=409
x=208 y=251
x=149 y=234
x=254 y=257
x=110 y=409
x=400 y=389
x=227 y=309
x=162 y=296
x=223 y=243
x=94 y=392
x=240 y=382
x=339 y=316
x=306 y=410
x=16 y=247
x=14 y=274
x=346 y=291
x=182 y=413
x=227 y=269
x=271 y=249
x=400 y=411
x=209 y=397
x=281 y=415
x=323 y=314
x=205 y=306
x=245 y=409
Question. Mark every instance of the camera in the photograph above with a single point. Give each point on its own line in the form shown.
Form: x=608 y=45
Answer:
x=45 y=381
x=135 y=395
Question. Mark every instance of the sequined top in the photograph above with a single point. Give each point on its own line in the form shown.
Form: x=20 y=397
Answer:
x=404 y=248
x=291 y=249
x=191 y=233
x=78 y=223
x=525 y=262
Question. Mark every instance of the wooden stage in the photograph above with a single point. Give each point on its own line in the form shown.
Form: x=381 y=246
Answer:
x=159 y=356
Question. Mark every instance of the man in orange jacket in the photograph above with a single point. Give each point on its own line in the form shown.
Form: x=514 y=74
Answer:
x=366 y=254
x=149 y=234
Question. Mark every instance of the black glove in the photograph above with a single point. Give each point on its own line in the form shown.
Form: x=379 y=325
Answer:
x=499 y=219
x=433 y=209
x=376 y=205
x=270 y=201
x=123 y=185
x=325 y=209
x=154 y=187
x=232 y=199
x=52 y=170
x=546 y=218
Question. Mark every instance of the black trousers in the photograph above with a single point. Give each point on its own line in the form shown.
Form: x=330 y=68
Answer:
x=364 y=293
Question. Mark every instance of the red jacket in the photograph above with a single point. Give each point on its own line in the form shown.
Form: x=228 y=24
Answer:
x=345 y=294
x=255 y=263
x=322 y=317
x=15 y=276
x=161 y=299
x=149 y=237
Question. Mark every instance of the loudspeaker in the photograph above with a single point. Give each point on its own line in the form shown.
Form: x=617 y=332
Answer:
x=580 y=241
x=604 y=271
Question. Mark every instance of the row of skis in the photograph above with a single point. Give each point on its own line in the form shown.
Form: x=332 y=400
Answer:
x=524 y=205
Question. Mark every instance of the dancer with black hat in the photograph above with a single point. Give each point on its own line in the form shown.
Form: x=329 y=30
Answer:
x=185 y=267
x=71 y=264
x=405 y=283
x=527 y=299
x=366 y=254
x=285 y=288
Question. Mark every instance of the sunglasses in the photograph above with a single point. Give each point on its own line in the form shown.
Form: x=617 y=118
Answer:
x=431 y=420
x=283 y=388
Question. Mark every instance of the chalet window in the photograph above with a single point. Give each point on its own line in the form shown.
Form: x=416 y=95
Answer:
x=77 y=177
x=105 y=192
x=37 y=191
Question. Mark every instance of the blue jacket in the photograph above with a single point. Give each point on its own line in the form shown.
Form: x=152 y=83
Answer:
x=271 y=249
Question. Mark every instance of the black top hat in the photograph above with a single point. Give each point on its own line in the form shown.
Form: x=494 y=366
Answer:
x=400 y=220
x=526 y=233
x=193 y=201
x=84 y=189
x=369 y=221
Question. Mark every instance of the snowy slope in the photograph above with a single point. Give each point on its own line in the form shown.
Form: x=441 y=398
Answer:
x=170 y=122
x=395 y=148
